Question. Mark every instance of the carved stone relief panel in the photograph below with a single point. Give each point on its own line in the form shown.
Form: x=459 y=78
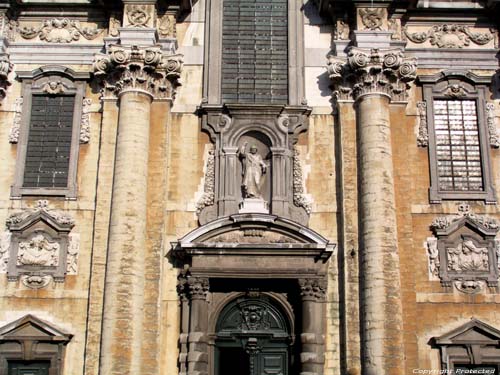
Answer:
x=463 y=251
x=16 y=125
x=60 y=31
x=139 y=15
x=38 y=247
x=449 y=36
x=254 y=164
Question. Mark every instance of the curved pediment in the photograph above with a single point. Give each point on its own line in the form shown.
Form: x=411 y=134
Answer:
x=254 y=234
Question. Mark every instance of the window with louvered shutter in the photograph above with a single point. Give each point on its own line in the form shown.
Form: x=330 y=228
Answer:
x=49 y=141
x=255 y=51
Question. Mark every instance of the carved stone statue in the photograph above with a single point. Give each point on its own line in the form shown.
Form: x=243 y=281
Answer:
x=253 y=169
x=467 y=257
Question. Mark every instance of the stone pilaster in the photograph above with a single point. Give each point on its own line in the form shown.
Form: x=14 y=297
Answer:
x=135 y=77
x=197 y=361
x=373 y=78
x=313 y=293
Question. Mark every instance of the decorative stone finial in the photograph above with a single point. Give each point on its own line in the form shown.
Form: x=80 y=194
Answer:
x=138 y=69
x=387 y=72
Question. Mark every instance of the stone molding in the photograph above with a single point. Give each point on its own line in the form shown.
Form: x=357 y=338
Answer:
x=372 y=71
x=449 y=36
x=423 y=132
x=313 y=289
x=60 y=31
x=208 y=197
x=147 y=70
x=492 y=128
x=85 y=122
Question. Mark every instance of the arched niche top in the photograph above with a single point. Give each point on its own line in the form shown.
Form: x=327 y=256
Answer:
x=53 y=70
x=250 y=315
x=254 y=234
x=457 y=75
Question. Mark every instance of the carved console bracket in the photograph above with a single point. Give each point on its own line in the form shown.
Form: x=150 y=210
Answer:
x=463 y=251
x=38 y=246
x=147 y=70
x=386 y=72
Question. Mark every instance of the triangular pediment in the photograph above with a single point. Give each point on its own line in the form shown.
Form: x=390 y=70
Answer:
x=473 y=332
x=32 y=327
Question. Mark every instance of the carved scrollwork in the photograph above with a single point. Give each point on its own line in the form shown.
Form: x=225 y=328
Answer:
x=138 y=15
x=372 y=18
x=299 y=197
x=141 y=69
x=16 y=125
x=166 y=26
x=342 y=30
x=60 y=31
x=114 y=25
x=60 y=217
x=449 y=36
x=464 y=210
x=85 y=121
x=387 y=72
x=313 y=289
x=5 y=69
x=4 y=251
x=469 y=286
x=433 y=254
x=208 y=197
x=423 y=134
x=36 y=281
x=492 y=129
x=253 y=318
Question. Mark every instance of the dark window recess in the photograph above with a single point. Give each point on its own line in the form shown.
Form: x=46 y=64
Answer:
x=255 y=51
x=457 y=145
x=49 y=141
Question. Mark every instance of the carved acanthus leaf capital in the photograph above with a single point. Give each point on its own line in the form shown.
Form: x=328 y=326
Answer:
x=387 y=72
x=198 y=287
x=313 y=289
x=139 y=69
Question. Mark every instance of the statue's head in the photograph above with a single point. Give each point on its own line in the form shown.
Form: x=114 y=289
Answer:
x=253 y=149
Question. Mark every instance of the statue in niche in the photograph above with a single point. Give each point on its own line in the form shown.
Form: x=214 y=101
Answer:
x=253 y=170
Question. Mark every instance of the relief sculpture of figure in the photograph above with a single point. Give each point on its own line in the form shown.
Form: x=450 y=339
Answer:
x=253 y=169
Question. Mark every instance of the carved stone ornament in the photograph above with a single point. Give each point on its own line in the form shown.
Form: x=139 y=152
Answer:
x=4 y=250
x=198 y=287
x=366 y=71
x=138 y=69
x=492 y=129
x=114 y=25
x=342 y=30
x=449 y=36
x=455 y=91
x=85 y=121
x=39 y=246
x=394 y=25
x=372 y=18
x=208 y=197
x=313 y=289
x=423 y=134
x=14 y=130
x=60 y=31
x=253 y=318
x=464 y=252
x=54 y=88
x=299 y=197
x=138 y=15
x=5 y=69
x=253 y=237
x=166 y=26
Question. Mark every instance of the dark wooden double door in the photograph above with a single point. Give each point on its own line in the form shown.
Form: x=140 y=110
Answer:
x=28 y=368
x=237 y=361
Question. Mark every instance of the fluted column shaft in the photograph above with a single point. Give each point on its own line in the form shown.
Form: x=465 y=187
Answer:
x=381 y=296
x=124 y=293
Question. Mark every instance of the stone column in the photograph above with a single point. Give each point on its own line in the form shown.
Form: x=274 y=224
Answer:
x=198 y=326
x=373 y=78
x=135 y=76
x=313 y=292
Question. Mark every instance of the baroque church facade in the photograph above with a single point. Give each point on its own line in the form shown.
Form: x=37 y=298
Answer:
x=229 y=187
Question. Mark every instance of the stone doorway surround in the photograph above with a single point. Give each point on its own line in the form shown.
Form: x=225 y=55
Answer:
x=251 y=255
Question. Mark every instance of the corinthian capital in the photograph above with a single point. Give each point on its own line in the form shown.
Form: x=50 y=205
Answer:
x=133 y=68
x=372 y=71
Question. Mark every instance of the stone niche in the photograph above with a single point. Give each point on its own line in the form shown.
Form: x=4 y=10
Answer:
x=464 y=252
x=39 y=244
x=272 y=131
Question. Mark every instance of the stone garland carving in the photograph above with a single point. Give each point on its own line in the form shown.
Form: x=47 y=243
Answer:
x=41 y=205
x=312 y=289
x=394 y=25
x=166 y=26
x=85 y=121
x=299 y=198
x=433 y=253
x=492 y=129
x=134 y=68
x=5 y=69
x=4 y=251
x=449 y=36
x=114 y=25
x=372 y=71
x=208 y=197
x=16 y=125
x=464 y=210
x=372 y=18
x=72 y=256
x=423 y=135
x=342 y=30
x=38 y=251
x=60 y=31
x=138 y=15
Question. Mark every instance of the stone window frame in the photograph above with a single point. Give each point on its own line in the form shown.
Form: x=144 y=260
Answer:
x=454 y=350
x=450 y=85
x=21 y=347
x=212 y=79
x=37 y=82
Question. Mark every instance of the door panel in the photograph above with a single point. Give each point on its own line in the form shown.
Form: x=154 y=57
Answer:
x=28 y=368
x=272 y=363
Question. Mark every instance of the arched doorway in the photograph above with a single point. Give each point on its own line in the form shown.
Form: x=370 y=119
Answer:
x=253 y=338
